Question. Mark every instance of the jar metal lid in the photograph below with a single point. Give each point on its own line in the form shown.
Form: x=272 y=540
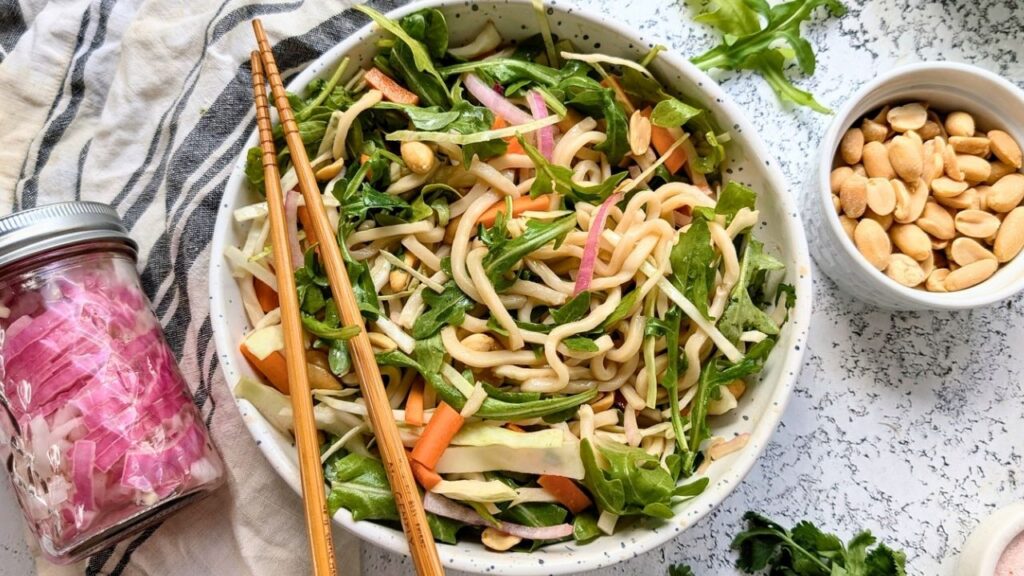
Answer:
x=31 y=232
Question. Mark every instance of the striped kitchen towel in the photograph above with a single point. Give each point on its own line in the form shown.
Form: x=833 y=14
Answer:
x=146 y=105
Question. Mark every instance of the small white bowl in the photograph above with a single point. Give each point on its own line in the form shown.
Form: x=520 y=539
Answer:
x=981 y=552
x=992 y=100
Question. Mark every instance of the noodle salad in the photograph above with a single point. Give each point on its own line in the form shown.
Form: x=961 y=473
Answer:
x=561 y=288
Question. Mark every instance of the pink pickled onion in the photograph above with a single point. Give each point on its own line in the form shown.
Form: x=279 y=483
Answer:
x=495 y=102
x=291 y=219
x=442 y=506
x=545 y=135
x=83 y=464
x=589 y=260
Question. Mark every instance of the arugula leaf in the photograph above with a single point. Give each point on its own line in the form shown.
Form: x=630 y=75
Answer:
x=338 y=358
x=693 y=263
x=326 y=331
x=609 y=494
x=430 y=352
x=680 y=570
x=444 y=529
x=580 y=344
x=809 y=551
x=672 y=113
x=430 y=88
x=733 y=198
x=254 y=170
x=749 y=46
x=429 y=27
x=584 y=528
x=360 y=485
x=497 y=263
x=741 y=313
x=558 y=179
x=616 y=143
x=420 y=56
x=572 y=310
x=621 y=311
x=362 y=286
x=513 y=396
x=670 y=379
x=430 y=119
x=535 y=514
x=634 y=483
x=445 y=309
x=505 y=71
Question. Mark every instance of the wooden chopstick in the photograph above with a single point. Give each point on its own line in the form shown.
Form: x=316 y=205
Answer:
x=407 y=498
x=318 y=521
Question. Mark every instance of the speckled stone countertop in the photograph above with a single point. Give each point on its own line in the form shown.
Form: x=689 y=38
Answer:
x=909 y=424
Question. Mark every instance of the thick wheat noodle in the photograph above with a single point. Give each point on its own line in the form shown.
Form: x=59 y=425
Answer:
x=539 y=292
x=626 y=248
x=507 y=161
x=591 y=321
x=586 y=172
x=568 y=147
x=525 y=314
x=489 y=297
x=368 y=100
x=723 y=242
x=460 y=244
x=599 y=370
x=692 y=348
x=625 y=218
x=410 y=182
x=462 y=204
x=387 y=232
x=496 y=179
x=626 y=370
x=630 y=346
x=425 y=255
x=675 y=195
x=744 y=219
x=489 y=359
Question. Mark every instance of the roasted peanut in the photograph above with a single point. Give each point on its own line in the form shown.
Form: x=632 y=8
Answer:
x=905 y=157
x=1005 y=148
x=976 y=223
x=853 y=196
x=851 y=147
x=945 y=187
x=911 y=240
x=398 y=278
x=330 y=171
x=960 y=124
x=859 y=170
x=975 y=145
x=876 y=161
x=999 y=169
x=901 y=212
x=950 y=164
x=881 y=197
x=907 y=117
x=936 y=280
x=884 y=220
x=479 y=342
x=838 y=176
x=873 y=243
x=639 y=133
x=849 y=225
x=964 y=251
x=931 y=157
x=498 y=540
x=930 y=130
x=937 y=222
x=418 y=157
x=970 y=275
x=968 y=199
x=837 y=204
x=1007 y=193
x=1010 y=238
x=928 y=264
x=905 y=270
x=874 y=131
x=975 y=169
x=381 y=342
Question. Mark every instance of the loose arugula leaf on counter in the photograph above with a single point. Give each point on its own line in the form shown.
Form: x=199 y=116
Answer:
x=680 y=570
x=750 y=44
x=809 y=551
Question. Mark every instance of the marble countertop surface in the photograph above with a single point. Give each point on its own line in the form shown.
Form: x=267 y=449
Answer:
x=907 y=424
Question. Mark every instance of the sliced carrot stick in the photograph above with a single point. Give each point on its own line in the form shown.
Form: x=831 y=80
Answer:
x=389 y=88
x=565 y=491
x=272 y=367
x=663 y=140
x=571 y=118
x=414 y=405
x=443 y=426
x=266 y=295
x=620 y=94
x=425 y=476
x=519 y=205
x=513 y=142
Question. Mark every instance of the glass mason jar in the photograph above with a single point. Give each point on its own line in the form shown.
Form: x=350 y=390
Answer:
x=98 y=430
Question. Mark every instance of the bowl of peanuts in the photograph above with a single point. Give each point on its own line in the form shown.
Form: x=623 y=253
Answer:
x=919 y=189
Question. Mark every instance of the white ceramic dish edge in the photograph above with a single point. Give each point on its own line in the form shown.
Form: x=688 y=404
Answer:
x=770 y=395
x=985 y=546
x=948 y=86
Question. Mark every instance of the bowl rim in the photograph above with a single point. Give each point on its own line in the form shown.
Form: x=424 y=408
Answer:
x=972 y=297
x=789 y=359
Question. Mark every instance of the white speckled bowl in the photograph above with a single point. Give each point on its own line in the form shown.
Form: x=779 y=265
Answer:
x=994 y=102
x=759 y=410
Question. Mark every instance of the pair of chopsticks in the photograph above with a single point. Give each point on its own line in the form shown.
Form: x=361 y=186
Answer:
x=407 y=500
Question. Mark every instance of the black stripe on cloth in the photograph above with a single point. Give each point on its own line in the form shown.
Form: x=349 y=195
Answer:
x=132 y=547
x=12 y=25
x=219 y=28
x=81 y=163
x=96 y=562
x=55 y=130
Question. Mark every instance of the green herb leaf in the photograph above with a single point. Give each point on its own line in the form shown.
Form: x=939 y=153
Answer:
x=733 y=198
x=572 y=310
x=680 y=570
x=693 y=263
x=430 y=119
x=445 y=309
x=360 y=485
x=616 y=143
x=429 y=27
x=622 y=311
x=558 y=179
x=326 y=331
x=430 y=353
x=608 y=493
x=749 y=46
x=254 y=169
x=420 y=56
x=497 y=263
x=444 y=529
x=672 y=113
x=580 y=344
x=584 y=528
x=362 y=286
x=741 y=313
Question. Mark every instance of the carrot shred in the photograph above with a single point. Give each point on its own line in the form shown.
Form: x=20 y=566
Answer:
x=620 y=94
x=424 y=476
x=519 y=205
x=565 y=491
x=662 y=140
x=414 y=405
x=444 y=424
x=514 y=427
x=273 y=367
x=571 y=118
x=266 y=295
x=513 y=143
x=389 y=88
